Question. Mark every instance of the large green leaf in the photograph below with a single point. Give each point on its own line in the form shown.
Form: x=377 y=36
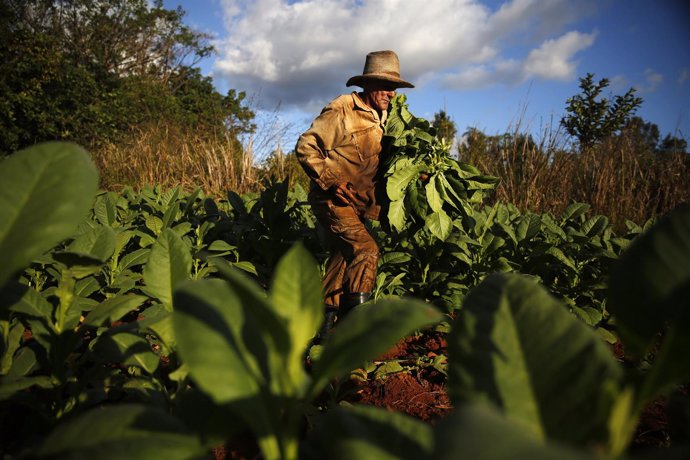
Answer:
x=169 y=263
x=231 y=353
x=105 y=208
x=122 y=431
x=128 y=349
x=10 y=338
x=173 y=208
x=367 y=332
x=296 y=296
x=439 y=224
x=97 y=243
x=595 y=226
x=415 y=201
x=528 y=226
x=113 y=309
x=27 y=301
x=397 y=183
x=46 y=192
x=448 y=190
x=433 y=196
x=475 y=431
x=131 y=259
x=560 y=256
x=518 y=348
x=650 y=291
x=647 y=282
x=209 y=322
x=396 y=214
x=553 y=227
x=574 y=210
x=369 y=432
x=271 y=327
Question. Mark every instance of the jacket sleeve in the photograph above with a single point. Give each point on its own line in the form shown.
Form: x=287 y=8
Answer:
x=314 y=147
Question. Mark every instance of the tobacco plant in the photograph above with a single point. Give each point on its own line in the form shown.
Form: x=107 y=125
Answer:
x=423 y=183
x=528 y=374
x=162 y=322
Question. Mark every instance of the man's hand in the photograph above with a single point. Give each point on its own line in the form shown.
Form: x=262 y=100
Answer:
x=343 y=193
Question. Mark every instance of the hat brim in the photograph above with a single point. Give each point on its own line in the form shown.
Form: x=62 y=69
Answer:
x=362 y=80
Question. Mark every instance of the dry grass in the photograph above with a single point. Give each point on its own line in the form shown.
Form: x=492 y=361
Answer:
x=618 y=178
x=172 y=158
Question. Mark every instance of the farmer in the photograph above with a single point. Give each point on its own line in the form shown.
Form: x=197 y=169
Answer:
x=340 y=153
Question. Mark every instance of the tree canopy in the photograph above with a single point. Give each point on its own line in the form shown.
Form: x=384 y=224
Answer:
x=445 y=126
x=591 y=118
x=86 y=71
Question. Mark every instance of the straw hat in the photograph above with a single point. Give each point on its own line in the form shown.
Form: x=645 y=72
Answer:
x=380 y=66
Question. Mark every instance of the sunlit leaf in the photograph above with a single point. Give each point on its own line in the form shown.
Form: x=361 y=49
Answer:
x=46 y=192
x=517 y=348
x=169 y=264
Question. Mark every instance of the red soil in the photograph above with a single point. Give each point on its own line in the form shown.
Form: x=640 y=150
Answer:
x=420 y=392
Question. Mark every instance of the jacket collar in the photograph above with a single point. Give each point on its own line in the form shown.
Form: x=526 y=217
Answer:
x=361 y=105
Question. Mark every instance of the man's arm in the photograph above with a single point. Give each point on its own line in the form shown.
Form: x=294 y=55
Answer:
x=313 y=147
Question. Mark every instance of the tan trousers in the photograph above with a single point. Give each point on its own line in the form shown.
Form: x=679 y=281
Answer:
x=354 y=254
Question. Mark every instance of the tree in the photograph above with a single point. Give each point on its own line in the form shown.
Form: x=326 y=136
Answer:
x=645 y=135
x=445 y=127
x=473 y=145
x=89 y=70
x=592 y=119
x=47 y=93
x=673 y=144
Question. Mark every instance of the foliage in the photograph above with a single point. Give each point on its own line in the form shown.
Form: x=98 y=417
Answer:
x=647 y=136
x=620 y=397
x=88 y=71
x=242 y=348
x=444 y=126
x=523 y=371
x=570 y=253
x=162 y=321
x=590 y=119
x=621 y=177
x=256 y=369
x=424 y=184
x=79 y=300
x=673 y=144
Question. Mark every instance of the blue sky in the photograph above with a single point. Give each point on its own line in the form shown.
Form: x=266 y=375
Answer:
x=489 y=64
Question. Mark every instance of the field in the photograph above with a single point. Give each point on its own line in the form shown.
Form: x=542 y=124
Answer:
x=160 y=269
x=171 y=322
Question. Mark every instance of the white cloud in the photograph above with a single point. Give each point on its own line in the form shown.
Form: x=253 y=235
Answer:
x=654 y=79
x=683 y=76
x=302 y=52
x=553 y=59
x=620 y=82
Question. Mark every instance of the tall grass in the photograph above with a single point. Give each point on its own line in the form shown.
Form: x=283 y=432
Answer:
x=619 y=178
x=171 y=157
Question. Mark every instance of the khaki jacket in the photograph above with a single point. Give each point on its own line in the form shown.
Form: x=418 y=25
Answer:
x=343 y=144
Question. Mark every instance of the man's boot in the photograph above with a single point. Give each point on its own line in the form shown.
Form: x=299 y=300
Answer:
x=351 y=300
x=329 y=321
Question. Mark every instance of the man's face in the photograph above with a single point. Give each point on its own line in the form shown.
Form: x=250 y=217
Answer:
x=378 y=95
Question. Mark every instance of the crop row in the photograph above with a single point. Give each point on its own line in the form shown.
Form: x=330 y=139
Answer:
x=167 y=322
